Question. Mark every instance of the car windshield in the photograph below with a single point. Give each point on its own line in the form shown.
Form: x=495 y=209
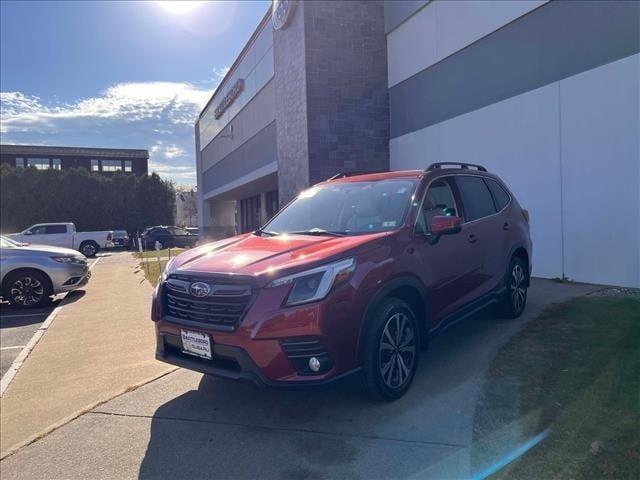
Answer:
x=346 y=208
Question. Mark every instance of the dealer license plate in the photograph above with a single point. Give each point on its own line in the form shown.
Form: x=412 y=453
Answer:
x=196 y=343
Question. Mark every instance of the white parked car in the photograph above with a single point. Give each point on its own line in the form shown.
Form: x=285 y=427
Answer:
x=65 y=235
x=30 y=274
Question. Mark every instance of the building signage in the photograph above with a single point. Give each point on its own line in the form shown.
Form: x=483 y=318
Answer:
x=281 y=12
x=228 y=99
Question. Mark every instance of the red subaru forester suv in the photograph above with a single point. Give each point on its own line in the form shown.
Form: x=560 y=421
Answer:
x=356 y=274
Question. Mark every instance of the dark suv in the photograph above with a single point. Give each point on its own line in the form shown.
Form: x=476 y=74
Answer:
x=168 y=237
x=354 y=275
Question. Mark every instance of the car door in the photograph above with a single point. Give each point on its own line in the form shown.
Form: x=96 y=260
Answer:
x=449 y=262
x=181 y=237
x=481 y=226
x=162 y=235
x=46 y=234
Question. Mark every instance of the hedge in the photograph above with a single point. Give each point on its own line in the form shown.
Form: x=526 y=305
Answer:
x=92 y=201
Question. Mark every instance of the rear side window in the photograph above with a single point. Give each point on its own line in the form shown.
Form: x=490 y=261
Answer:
x=55 y=229
x=476 y=197
x=500 y=196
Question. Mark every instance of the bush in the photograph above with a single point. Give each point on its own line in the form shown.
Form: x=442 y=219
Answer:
x=92 y=201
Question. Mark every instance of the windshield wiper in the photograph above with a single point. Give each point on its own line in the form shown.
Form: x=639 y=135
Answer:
x=318 y=231
x=259 y=232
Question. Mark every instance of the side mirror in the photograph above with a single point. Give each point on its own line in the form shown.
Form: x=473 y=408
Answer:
x=443 y=225
x=27 y=232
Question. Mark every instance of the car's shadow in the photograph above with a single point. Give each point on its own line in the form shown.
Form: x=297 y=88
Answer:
x=11 y=316
x=233 y=430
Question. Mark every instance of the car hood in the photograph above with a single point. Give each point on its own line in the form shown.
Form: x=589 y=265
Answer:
x=47 y=250
x=255 y=255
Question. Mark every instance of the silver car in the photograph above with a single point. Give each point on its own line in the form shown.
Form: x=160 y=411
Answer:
x=31 y=274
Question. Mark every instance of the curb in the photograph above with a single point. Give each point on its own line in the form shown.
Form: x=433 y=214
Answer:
x=33 y=341
x=51 y=428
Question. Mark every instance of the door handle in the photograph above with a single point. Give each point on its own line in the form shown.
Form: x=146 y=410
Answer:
x=506 y=226
x=472 y=238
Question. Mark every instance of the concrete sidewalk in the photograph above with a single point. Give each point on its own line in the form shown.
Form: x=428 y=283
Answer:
x=189 y=425
x=100 y=344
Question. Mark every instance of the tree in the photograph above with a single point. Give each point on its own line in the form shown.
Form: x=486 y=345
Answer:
x=92 y=201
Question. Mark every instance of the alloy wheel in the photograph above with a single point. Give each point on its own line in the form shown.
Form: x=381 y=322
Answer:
x=27 y=291
x=518 y=288
x=89 y=250
x=397 y=351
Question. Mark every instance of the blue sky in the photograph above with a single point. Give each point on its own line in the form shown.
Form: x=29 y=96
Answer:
x=117 y=74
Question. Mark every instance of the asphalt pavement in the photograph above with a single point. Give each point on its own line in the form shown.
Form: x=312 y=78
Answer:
x=189 y=425
x=18 y=325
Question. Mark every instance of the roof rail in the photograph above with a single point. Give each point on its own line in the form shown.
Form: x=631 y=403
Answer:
x=435 y=166
x=353 y=173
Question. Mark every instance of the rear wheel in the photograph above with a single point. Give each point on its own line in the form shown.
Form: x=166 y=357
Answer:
x=391 y=347
x=27 y=289
x=515 y=296
x=89 y=248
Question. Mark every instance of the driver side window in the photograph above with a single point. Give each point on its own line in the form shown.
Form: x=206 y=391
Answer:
x=438 y=200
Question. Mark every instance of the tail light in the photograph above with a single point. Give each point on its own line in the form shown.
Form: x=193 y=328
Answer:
x=525 y=214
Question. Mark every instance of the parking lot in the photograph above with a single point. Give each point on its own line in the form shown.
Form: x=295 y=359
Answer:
x=17 y=326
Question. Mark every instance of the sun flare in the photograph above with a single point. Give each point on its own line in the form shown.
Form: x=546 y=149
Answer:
x=179 y=7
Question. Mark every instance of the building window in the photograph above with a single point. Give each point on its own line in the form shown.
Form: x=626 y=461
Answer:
x=272 y=203
x=19 y=162
x=95 y=165
x=128 y=166
x=39 y=163
x=250 y=214
x=111 y=165
x=55 y=164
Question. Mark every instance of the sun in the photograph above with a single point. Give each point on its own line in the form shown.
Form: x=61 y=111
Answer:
x=179 y=7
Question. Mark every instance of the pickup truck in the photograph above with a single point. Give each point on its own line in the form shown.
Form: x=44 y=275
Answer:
x=65 y=235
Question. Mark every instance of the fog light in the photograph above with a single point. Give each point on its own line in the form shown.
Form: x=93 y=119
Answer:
x=314 y=364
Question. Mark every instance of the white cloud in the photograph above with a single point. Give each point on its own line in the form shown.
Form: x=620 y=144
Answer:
x=129 y=102
x=158 y=116
x=173 y=151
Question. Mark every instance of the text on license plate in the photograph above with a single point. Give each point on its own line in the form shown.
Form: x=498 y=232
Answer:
x=196 y=343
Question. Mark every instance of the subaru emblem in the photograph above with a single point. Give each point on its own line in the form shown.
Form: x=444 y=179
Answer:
x=200 y=289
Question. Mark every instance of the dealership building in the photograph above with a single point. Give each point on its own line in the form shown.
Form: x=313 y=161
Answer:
x=543 y=93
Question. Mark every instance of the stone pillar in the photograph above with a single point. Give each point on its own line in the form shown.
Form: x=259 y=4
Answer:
x=332 y=108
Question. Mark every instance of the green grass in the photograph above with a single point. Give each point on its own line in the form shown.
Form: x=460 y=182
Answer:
x=152 y=269
x=574 y=372
x=151 y=254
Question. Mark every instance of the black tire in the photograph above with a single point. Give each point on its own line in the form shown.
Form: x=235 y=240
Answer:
x=89 y=248
x=27 y=289
x=390 y=342
x=516 y=282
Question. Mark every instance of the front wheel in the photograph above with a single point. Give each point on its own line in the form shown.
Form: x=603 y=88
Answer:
x=391 y=347
x=27 y=289
x=89 y=249
x=515 y=296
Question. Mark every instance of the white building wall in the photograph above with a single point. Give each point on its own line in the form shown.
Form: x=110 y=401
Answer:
x=600 y=165
x=569 y=151
x=445 y=27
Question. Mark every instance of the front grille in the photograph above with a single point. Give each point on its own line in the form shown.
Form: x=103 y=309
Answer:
x=224 y=307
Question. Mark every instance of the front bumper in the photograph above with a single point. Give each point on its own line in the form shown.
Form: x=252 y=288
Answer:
x=69 y=277
x=258 y=350
x=229 y=362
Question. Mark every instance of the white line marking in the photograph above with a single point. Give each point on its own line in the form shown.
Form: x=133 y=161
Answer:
x=28 y=348
x=10 y=348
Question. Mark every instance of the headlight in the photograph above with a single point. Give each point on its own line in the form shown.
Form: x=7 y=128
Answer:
x=70 y=259
x=315 y=284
